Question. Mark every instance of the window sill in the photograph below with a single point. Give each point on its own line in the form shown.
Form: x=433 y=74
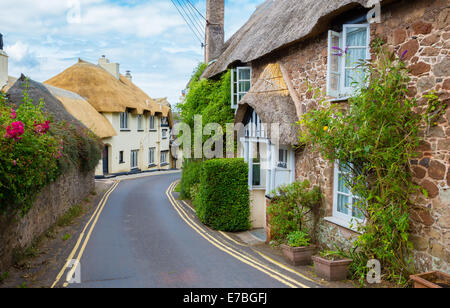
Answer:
x=121 y=162
x=164 y=164
x=339 y=99
x=141 y=130
x=152 y=166
x=342 y=223
x=153 y=130
x=257 y=188
x=125 y=130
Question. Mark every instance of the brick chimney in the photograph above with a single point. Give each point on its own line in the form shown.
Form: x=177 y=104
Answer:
x=215 y=33
x=3 y=65
x=112 y=68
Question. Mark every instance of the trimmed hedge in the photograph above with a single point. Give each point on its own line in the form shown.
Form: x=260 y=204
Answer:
x=190 y=178
x=223 y=201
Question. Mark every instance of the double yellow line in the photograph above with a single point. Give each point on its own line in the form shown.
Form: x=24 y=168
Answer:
x=245 y=258
x=93 y=219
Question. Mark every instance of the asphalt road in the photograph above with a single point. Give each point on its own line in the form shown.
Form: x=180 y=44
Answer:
x=140 y=240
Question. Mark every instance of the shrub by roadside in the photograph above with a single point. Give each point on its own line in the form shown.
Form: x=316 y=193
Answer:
x=190 y=179
x=223 y=201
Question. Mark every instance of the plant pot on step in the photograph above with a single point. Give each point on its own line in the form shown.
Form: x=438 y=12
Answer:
x=298 y=255
x=331 y=270
x=431 y=280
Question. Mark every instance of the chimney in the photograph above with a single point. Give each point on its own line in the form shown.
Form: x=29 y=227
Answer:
x=112 y=68
x=3 y=65
x=215 y=33
x=128 y=75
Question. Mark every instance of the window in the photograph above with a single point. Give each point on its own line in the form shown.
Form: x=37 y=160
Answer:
x=164 y=122
x=134 y=159
x=151 y=156
x=253 y=124
x=164 y=133
x=283 y=159
x=152 y=123
x=124 y=120
x=345 y=204
x=241 y=82
x=121 y=161
x=345 y=50
x=140 y=122
x=164 y=157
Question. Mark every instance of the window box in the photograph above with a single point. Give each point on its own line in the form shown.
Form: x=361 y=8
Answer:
x=164 y=164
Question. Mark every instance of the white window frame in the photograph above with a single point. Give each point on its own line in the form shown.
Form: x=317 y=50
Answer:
x=139 y=120
x=151 y=156
x=348 y=219
x=152 y=123
x=235 y=84
x=164 y=133
x=134 y=159
x=343 y=91
x=124 y=120
x=283 y=162
x=163 y=155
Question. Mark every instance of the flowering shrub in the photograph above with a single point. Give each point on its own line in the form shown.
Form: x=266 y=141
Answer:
x=35 y=150
x=27 y=158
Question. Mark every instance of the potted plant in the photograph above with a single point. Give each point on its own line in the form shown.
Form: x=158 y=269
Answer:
x=298 y=250
x=332 y=265
x=431 y=280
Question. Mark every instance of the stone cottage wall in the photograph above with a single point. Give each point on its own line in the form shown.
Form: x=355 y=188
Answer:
x=54 y=200
x=422 y=28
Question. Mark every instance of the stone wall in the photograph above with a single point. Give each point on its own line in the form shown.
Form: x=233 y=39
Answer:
x=54 y=201
x=422 y=28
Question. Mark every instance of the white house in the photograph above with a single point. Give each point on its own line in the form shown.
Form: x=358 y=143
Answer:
x=143 y=127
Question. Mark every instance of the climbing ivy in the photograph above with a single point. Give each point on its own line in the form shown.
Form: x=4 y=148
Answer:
x=375 y=137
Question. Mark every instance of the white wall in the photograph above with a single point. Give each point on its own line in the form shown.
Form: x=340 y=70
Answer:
x=3 y=68
x=132 y=139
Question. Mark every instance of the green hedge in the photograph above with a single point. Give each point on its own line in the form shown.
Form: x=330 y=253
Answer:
x=223 y=201
x=190 y=178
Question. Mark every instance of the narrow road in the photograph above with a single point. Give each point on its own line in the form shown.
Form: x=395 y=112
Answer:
x=141 y=241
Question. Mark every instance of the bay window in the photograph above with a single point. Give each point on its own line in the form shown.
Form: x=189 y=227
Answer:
x=345 y=50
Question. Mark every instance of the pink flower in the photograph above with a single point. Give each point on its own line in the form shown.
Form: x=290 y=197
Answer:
x=13 y=114
x=41 y=129
x=14 y=162
x=15 y=130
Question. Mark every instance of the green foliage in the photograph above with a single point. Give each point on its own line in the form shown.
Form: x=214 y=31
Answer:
x=68 y=218
x=298 y=239
x=26 y=164
x=375 y=138
x=39 y=154
x=290 y=207
x=223 y=200
x=190 y=177
x=332 y=255
x=209 y=98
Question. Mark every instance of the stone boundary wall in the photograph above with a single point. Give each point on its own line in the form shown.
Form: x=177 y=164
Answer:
x=54 y=200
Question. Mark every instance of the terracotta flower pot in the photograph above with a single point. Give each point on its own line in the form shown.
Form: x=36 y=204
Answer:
x=331 y=270
x=431 y=280
x=298 y=255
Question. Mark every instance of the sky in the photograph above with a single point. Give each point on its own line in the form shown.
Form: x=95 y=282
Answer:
x=147 y=37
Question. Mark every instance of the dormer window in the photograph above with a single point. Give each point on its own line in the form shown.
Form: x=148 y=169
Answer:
x=345 y=50
x=241 y=82
x=164 y=122
x=124 y=120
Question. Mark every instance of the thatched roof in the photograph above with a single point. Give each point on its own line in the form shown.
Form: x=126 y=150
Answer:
x=271 y=100
x=84 y=112
x=37 y=92
x=102 y=90
x=162 y=101
x=277 y=24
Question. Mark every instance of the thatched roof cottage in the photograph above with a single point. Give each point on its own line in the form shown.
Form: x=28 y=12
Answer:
x=285 y=48
x=142 y=125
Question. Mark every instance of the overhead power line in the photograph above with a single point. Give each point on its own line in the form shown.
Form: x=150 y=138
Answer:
x=191 y=16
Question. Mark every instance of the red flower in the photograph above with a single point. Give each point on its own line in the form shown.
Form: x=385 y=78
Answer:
x=13 y=114
x=15 y=130
x=41 y=129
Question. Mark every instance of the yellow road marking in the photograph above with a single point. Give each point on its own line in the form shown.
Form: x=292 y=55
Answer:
x=246 y=259
x=232 y=239
x=96 y=213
